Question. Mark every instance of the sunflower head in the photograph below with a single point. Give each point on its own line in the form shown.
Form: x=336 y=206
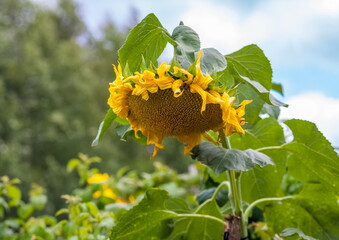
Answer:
x=172 y=101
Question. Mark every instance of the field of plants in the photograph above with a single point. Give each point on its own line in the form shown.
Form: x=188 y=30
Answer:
x=246 y=173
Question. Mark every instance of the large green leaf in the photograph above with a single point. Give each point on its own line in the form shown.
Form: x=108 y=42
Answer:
x=151 y=219
x=313 y=158
x=104 y=126
x=251 y=62
x=200 y=228
x=221 y=159
x=212 y=61
x=147 y=41
x=146 y=220
x=188 y=42
x=262 y=182
x=261 y=90
x=250 y=66
x=315 y=212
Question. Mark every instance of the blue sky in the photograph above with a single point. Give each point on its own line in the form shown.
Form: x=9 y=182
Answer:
x=300 y=37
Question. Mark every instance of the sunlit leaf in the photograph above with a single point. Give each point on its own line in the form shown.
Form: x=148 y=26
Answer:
x=251 y=62
x=313 y=158
x=25 y=211
x=14 y=194
x=146 y=40
x=315 y=211
x=278 y=87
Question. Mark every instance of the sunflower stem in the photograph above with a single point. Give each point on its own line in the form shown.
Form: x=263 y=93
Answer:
x=235 y=190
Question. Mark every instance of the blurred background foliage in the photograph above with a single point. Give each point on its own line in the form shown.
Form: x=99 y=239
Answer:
x=54 y=76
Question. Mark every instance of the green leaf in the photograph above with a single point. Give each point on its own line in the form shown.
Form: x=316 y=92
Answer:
x=38 y=201
x=104 y=126
x=251 y=62
x=14 y=194
x=146 y=40
x=72 y=164
x=62 y=211
x=221 y=159
x=212 y=61
x=294 y=231
x=262 y=182
x=92 y=209
x=278 y=87
x=145 y=220
x=315 y=212
x=263 y=92
x=271 y=110
x=221 y=198
x=25 y=211
x=313 y=158
x=250 y=66
x=125 y=131
x=199 y=228
x=245 y=92
x=188 y=42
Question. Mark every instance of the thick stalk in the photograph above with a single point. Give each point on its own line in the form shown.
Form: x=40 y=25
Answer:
x=235 y=196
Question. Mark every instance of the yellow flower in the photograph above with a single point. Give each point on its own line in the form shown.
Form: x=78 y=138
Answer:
x=164 y=103
x=98 y=178
x=102 y=178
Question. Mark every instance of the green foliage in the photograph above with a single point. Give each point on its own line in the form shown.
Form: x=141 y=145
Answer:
x=212 y=61
x=314 y=152
x=146 y=220
x=54 y=77
x=292 y=231
x=263 y=182
x=100 y=202
x=188 y=43
x=221 y=159
x=250 y=67
x=292 y=184
x=146 y=41
x=270 y=168
x=104 y=126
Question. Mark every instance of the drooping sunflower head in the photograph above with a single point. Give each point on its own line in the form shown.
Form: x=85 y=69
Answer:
x=171 y=101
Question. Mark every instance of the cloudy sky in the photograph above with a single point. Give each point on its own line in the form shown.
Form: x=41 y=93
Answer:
x=300 y=37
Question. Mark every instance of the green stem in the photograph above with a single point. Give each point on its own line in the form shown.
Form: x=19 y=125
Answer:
x=253 y=204
x=235 y=193
x=202 y=216
x=270 y=148
x=221 y=185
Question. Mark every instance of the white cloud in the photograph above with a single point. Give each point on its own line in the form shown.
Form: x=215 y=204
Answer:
x=317 y=108
x=289 y=29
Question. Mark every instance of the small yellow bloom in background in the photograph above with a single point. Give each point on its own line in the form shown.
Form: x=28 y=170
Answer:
x=161 y=104
x=98 y=178
x=102 y=178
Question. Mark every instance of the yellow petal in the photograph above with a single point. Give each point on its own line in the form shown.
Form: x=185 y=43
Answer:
x=191 y=140
x=176 y=88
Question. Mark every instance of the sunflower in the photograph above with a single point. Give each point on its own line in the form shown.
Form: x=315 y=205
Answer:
x=172 y=101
